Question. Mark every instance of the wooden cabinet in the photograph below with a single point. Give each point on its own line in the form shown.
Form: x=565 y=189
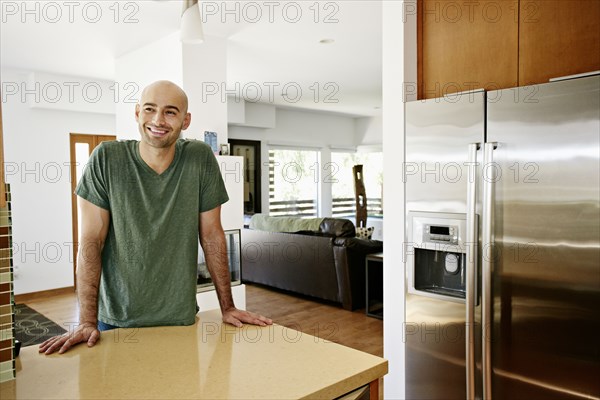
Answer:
x=558 y=38
x=496 y=44
x=467 y=45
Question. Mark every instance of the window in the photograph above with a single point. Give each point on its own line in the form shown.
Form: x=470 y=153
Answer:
x=293 y=182
x=342 y=189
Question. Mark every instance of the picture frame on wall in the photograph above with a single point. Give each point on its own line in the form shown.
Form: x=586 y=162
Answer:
x=224 y=149
x=210 y=138
x=250 y=151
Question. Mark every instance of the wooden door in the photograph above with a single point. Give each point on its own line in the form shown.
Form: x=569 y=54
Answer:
x=558 y=38
x=466 y=45
x=81 y=147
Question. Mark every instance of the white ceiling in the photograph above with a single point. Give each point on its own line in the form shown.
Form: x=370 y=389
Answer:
x=269 y=42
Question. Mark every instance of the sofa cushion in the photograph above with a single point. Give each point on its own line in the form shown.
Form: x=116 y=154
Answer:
x=338 y=227
x=263 y=222
x=364 y=232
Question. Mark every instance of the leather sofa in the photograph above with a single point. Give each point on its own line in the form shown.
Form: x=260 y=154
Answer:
x=328 y=263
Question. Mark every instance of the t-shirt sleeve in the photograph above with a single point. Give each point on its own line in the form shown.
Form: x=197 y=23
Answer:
x=92 y=185
x=212 y=186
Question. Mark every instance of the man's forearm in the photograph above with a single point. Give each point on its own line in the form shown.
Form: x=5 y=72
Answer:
x=215 y=253
x=89 y=267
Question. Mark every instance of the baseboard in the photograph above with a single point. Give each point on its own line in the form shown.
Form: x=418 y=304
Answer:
x=26 y=297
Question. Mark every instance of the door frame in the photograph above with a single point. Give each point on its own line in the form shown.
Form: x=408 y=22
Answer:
x=251 y=170
x=92 y=141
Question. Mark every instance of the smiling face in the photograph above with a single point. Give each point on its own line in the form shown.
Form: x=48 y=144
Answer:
x=162 y=114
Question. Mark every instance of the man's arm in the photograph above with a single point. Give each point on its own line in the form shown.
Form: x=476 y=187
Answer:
x=94 y=228
x=212 y=239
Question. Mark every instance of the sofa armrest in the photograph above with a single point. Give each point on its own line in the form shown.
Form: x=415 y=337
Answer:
x=367 y=246
x=350 y=255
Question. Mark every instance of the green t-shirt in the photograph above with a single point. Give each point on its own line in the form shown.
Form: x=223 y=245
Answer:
x=150 y=257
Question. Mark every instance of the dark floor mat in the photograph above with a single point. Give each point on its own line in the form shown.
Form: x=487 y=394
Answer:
x=31 y=327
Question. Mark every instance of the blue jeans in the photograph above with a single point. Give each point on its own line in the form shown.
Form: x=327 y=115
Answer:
x=105 y=327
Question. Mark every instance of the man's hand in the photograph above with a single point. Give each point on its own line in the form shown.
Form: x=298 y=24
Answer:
x=85 y=332
x=237 y=318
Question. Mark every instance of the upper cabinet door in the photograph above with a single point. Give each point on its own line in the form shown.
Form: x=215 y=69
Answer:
x=558 y=38
x=467 y=45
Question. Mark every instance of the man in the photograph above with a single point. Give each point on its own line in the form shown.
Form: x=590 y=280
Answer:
x=142 y=207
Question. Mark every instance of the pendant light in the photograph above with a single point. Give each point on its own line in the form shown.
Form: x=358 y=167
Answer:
x=191 y=23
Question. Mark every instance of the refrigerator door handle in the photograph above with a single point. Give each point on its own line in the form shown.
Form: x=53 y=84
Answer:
x=489 y=177
x=471 y=269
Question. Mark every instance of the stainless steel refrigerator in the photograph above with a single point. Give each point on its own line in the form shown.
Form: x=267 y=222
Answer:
x=503 y=243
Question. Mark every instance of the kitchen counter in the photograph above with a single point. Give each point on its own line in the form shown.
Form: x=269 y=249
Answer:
x=208 y=360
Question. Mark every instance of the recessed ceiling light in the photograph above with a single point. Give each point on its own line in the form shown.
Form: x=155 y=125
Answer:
x=326 y=41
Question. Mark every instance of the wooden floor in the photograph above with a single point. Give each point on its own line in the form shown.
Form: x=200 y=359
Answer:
x=327 y=321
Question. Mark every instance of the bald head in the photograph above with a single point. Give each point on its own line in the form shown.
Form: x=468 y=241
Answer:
x=162 y=114
x=168 y=91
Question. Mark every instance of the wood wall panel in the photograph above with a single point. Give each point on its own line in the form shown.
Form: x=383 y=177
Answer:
x=467 y=45
x=558 y=38
x=7 y=311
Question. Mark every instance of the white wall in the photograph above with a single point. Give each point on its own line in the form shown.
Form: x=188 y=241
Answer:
x=311 y=129
x=301 y=128
x=259 y=115
x=159 y=60
x=232 y=212
x=274 y=125
x=66 y=93
x=368 y=131
x=36 y=149
x=204 y=76
x=399 y=67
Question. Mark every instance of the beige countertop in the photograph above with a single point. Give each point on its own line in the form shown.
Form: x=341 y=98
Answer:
x=208 y=360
